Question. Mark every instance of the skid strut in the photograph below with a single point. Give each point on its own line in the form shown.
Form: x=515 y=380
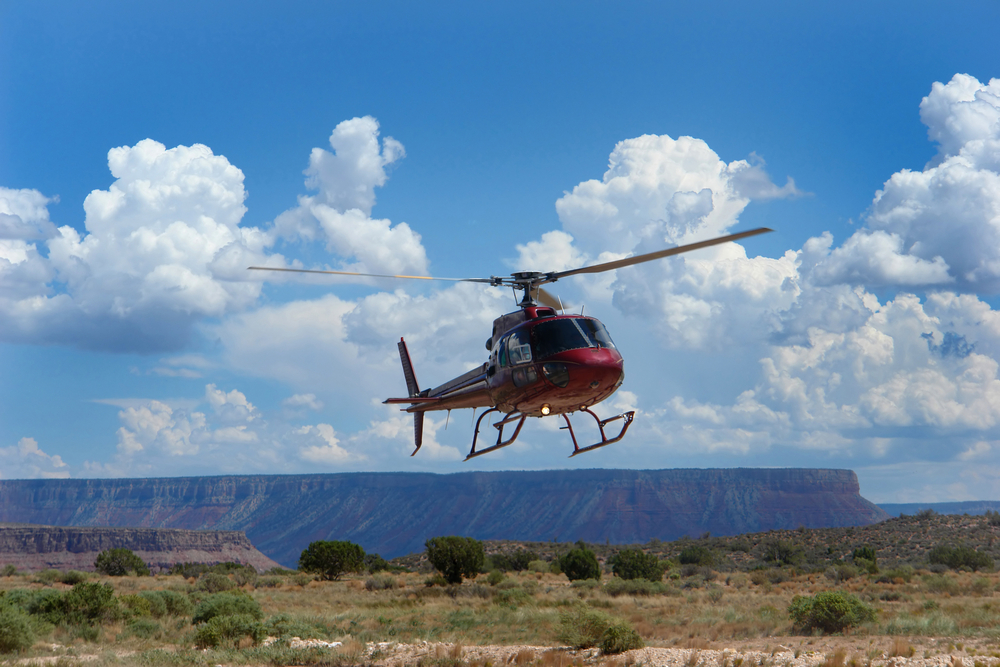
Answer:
x=605 y=440
x=511 y=416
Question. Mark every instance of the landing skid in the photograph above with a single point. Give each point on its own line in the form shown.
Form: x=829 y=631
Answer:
x=519 y=418
x=605 y=440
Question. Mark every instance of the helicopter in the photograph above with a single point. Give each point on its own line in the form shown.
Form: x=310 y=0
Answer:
x=542 y=361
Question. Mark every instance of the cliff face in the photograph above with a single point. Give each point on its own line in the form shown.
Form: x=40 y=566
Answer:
x=394 y=513
x=38 y=547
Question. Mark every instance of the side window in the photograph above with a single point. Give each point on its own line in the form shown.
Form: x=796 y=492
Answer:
x=518 y=349
x=502 y=354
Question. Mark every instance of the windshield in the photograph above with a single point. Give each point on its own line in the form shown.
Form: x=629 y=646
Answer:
x=568 y=334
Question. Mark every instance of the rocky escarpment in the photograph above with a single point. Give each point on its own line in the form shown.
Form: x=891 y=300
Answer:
x=394 y=513
x=31 y=547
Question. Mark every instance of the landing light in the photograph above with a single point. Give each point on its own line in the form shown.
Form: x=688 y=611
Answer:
x=545 y=409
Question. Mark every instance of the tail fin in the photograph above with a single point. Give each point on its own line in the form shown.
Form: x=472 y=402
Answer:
x=414 y=390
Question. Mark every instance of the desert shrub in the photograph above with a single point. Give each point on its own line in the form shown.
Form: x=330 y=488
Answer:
x=925 y=514
x=960 y=556
x=992 y=518
x=214 y=582
x=940 y=584
x=618 y=638
x=583 y=627
x=435 y=580
x=8 y=570
x=235 y=603
x=144 y=628
x=270 y=582
x=188 y=570
x=229 y=631
x=332 y=558
x=73 y=577
x=829 y=611
x=381 y=582
x=136 y=604
x=375 y=563
x=245 y=576
x=696 y=555
x=783 y=552
x=512 y=597
x=177 y=603
x=119 y=563
x=739 y=545
x=495 y=577
x=284 y=625
x=89 y=603
x=637 y=564
x=539 y=566
x=48 y=577
x=513 y=561
x=580 y=563
x=157 y=605
x=15 y=629
x=616 y=587
x=456 y=557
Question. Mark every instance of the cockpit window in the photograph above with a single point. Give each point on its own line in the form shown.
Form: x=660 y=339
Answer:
x=518 y=348
x=568 y=334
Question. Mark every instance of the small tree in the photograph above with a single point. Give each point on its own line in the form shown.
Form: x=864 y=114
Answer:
x=119 y=563
x=330 y=559
x=456 y=557
x=637 y=564
x=580 y=563
x=697 y=555
x=866 y=559
x=829 y=611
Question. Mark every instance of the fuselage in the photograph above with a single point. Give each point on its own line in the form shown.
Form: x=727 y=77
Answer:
x=551 y=364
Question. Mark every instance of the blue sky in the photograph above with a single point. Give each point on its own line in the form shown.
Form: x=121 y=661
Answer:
x=133 y=344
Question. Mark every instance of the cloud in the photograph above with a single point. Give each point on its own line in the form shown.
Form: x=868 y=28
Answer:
x=340 y=212
x=303 y=401
x=940 y=225
x=26 y=461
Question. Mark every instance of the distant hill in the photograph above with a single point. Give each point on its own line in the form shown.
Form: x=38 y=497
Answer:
x=971 y=507
x=31 y=547
x=395 y=513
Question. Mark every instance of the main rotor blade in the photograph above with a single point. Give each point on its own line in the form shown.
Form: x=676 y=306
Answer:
x=650 y=256
x=370 y=275
x=546 y=299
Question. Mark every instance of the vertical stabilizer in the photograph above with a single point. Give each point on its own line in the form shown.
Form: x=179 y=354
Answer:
x=411 y=378
x=414 y=390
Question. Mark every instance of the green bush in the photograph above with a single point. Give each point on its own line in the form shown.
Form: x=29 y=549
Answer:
x=144 y=628
x=119 y=563
x=157 y=606
x=582 y=627
x=137 y=605
x=540 y=566
x=783 y=552
x=637 y=564
x=8 y=570
x=829 y=611
x=214 y=582
x=48 y=577
x=960 y=556
x=513 y=561
x=580 y=563
x=73 y=577
x=616 y=587
x=15 y=630
x=456 y=557
x=375 y=563
x=228 y=631
x=332 y=559
x=234 y=603
x=89 y=603
x=618 y=638
x=697 y=555
x=495 y=577
x=177 y=604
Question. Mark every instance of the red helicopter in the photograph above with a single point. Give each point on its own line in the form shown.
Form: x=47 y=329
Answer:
x=541 y=363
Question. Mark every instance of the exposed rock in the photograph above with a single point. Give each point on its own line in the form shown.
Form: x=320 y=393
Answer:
x=31 y=547
x=394 y=513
